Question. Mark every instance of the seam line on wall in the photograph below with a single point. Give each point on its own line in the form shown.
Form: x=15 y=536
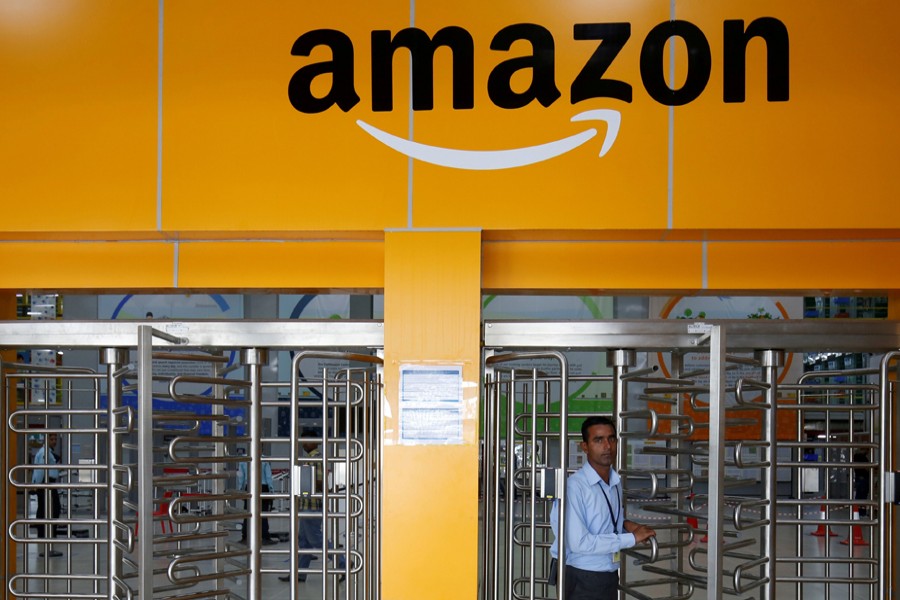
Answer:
x=397 y=229
x=409 y=160
x=159 y=116
x=667 y=242
x=433 y=229
x=279 y=241
x=670 y=178
x=704 y=282
x=175 y=266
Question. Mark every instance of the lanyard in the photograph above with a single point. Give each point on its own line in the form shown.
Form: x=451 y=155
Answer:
x=608 y=504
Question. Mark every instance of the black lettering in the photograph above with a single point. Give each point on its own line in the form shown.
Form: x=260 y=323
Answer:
x=421 y=49
x=340 y=67
x=590 y=82
x=778 y=61
x=542 y=63
x=653 y=68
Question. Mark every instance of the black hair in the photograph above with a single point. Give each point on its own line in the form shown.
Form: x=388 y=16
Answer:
x=596 y=420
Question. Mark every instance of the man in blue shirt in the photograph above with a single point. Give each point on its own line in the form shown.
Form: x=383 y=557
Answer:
x=596 y=528
x=310 y=526
x=268 y=485
x=46 y=456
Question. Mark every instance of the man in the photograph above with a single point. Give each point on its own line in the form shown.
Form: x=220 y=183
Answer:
x=46 y=456
x=596 y=528
x=310 y=524
x=267 y=485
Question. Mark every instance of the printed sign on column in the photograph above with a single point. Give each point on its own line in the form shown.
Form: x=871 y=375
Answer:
x=431 y=404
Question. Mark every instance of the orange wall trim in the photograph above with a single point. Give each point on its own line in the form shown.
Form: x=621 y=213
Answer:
x=359 y=265
x=860 y=266
x=285 y=265
x=87 y=265
x=538 y=266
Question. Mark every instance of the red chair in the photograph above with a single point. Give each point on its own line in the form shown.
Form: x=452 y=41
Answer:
x=162 y=511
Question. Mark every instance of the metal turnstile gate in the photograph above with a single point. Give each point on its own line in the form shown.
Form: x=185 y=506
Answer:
x=151 y=448
x=716 y=443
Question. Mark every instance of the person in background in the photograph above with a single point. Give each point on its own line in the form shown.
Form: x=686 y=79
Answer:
x=861 y=478
x=310 y=527
x=596 y=528
x=46 y=455
x=267 y=485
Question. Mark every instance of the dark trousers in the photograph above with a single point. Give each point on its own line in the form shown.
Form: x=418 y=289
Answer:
x=266 y=506
x=861 y=490
x=591 y=585
x=55 y=510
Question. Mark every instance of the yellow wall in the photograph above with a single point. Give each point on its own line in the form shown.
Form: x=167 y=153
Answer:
x=150 y=145
x=174 y=119
x=79 y=116
x=168 y=126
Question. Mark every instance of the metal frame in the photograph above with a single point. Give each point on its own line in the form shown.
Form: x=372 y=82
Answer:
x=130 y=430
x=273 y=335
x=769 y=339
x=744 y=335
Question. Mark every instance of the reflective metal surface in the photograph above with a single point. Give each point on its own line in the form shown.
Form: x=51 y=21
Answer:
x=157 y=511
x=714 y=453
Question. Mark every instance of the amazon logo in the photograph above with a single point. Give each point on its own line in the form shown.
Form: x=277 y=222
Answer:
x=610 y=40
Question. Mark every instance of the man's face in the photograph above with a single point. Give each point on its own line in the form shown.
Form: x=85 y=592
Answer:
x=51 y=440
x=600 y=448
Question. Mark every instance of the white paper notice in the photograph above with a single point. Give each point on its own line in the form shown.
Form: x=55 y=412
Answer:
x=431 y=404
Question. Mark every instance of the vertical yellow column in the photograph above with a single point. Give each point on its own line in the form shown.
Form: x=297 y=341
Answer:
x=893 y=311
x=432 y=317
x=8 y=558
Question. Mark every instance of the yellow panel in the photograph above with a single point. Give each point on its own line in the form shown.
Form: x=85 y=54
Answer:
x=262 y=236
x=237 y=155
x=784 y=235
x=626 y=188
x=893 y=305
x=87 y=265
x=687 y=235
x=75 y=236
x=592 y=266
x=294 y=265
x=575 y=235
x=825 y=158
x=432 y=315
x=78 y=112
x=856 y=266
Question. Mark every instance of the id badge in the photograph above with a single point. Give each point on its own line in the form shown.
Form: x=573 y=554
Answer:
x=616 y=557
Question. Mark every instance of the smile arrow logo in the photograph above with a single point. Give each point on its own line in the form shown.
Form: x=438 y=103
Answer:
x=487 y=160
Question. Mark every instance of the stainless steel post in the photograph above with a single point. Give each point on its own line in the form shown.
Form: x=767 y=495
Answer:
x=145 y=461
x=114 y=359
x=294 y=493
x=770 y=360
x=886 y=530
x=490 y=474
x=532 y=478
x=620 y=360
x=254 y=359
x=715 y=559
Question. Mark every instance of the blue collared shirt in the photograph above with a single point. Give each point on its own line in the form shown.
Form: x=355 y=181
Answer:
x=267 y=479
x=590 y=538
x=37 y=475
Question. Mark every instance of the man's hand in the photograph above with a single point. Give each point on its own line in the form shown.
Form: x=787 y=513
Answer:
x=642 y=533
